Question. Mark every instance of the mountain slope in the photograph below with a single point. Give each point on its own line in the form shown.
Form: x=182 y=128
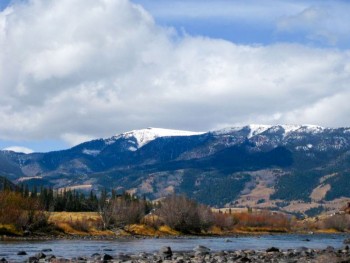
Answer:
x=289 y=167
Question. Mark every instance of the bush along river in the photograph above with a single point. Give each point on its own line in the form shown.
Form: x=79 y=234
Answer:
x=266 y=248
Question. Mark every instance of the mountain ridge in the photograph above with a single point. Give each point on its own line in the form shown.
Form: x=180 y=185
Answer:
x=271 y=166
x=143 y=136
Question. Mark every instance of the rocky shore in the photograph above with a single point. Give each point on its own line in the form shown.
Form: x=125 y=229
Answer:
x=202 y=254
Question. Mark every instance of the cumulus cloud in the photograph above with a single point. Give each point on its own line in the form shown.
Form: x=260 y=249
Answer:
x=320 y=22
x=18 y=149
x=79 y=69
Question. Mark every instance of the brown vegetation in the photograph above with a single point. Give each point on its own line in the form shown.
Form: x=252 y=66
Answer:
x=22 y=213
x=122 y=210
x=264 y=220
x=184 y=215
x=339 y=222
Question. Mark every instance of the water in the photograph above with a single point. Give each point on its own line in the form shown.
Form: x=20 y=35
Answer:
x=74 y=248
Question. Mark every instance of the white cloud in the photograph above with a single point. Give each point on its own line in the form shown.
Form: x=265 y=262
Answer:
x=18 y=149
x=322 y=21
x=77 y=69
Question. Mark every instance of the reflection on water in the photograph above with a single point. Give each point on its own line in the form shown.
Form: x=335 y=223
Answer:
x=74 y=248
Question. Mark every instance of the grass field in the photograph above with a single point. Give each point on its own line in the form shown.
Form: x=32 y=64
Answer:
x=79 y=223
x=89 y=223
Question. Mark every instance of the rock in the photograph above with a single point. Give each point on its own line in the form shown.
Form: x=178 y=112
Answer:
x=40 y=255
x=46 y=250
x=21 y=253
x=346 y=241
x=50 y=258
x=60 y=260
x=123 y=257
x=272 y=249
x=307 y=240
x=245 y=259
x=33 y=260
x=330 y=249
x=106 y=257
x=3 y=260
x=165 y=252
x=228 y=240
x=201 y=249
x=95 y=255
x=301 y=249
x=142 y=255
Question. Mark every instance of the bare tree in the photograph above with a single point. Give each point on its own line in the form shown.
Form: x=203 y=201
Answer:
x=339 y=222
x=127 y=211
x=106 y=212
x=121 y=211
x=184 y=214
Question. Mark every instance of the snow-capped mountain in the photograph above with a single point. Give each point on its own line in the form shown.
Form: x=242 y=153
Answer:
x=266 y=164
x=144 y=136
x=257 y=129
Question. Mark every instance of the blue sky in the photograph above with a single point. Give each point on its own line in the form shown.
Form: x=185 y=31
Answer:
x=256 y=22
x=3 y=4
x=83 y=69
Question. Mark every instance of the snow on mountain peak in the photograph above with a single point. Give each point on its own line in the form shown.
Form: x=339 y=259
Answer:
x=18 y=149
x=144 y=136
x=256 y=129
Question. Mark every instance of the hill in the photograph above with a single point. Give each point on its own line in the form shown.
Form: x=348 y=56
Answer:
x=291 y=168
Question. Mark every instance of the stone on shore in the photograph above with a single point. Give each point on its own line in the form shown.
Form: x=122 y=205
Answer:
x=33 y=260
x=166 y=252
x=40 y=255
x=201 y=249
x=272 y=249
x=123 y=257
x=106 y=257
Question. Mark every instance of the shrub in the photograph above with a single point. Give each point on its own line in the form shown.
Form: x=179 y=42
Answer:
x=224 y=221
x=337 y=222
x=184 y=214
x=122 y=211
x=263 y=219
x=23 y=213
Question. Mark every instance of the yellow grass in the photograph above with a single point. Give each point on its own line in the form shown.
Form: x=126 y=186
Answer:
x=68 y=216
x=168 y=231
x=215 y=230
x=261 y=230
x=67 y=221
x=327 y=231
x=6 y=229
x=145 y=230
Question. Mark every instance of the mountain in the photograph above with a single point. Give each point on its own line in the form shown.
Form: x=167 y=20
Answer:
x=294 y=168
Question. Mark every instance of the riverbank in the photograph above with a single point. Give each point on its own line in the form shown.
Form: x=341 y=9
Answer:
x=150 y=249
x=88 y=226
x=202 y=254
x=145 y=232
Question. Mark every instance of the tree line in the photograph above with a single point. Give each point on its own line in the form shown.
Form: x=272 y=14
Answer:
x=29 y=210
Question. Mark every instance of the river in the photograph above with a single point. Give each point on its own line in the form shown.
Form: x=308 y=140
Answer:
x=74 y=248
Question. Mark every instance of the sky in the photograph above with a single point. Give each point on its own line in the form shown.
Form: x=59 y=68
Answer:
x=75 y=70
